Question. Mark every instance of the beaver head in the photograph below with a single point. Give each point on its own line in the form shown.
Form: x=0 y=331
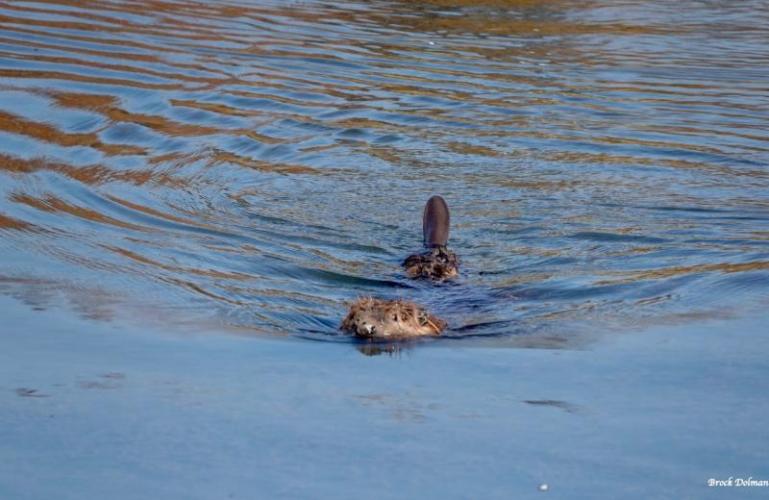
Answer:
x=376 y=318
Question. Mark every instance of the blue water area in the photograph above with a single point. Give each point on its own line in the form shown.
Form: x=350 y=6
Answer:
x=133 y=413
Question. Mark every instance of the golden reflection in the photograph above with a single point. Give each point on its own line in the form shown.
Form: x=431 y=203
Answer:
x=80 y=61
x=131 y=56
x=540 y=185
x=472 y=149
x=180 y=270
x=48 y=133
x=671 y=272
x=218 y=108
x=14 y=224
x=76 y=77
x=154 y=213
x=53 y=204
x=193 y=31
x=265 y=166
x=107 y=106
x=498 y=17
x=196 y=288
x=88 y=174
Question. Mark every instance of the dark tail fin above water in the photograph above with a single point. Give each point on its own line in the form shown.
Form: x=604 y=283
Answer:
x=435 y=222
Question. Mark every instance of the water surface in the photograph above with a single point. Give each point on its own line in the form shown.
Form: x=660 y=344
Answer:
x=257 y=164
x=172 y=172
x=95 y=410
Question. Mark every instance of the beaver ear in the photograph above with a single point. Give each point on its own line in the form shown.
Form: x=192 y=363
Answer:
x=435 y=222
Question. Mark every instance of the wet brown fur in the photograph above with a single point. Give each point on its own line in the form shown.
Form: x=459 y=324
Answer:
x=438 y=263
x=392 y=319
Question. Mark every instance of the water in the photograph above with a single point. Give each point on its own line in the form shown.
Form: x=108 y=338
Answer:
x=105 y=410
x=257 y=165
x=251 y=167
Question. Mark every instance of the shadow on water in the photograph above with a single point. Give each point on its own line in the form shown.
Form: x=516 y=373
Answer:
x=253 y=167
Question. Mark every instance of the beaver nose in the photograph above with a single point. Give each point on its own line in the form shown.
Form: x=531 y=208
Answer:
x=370 y=329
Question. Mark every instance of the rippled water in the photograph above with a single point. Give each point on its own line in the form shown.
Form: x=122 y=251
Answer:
x=257 y=164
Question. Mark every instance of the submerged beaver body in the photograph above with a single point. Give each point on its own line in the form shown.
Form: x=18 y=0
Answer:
x=399 y=319
x=437 y=263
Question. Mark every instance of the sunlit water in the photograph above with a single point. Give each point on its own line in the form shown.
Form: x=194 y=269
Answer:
x=255 y=165
x=249 y=168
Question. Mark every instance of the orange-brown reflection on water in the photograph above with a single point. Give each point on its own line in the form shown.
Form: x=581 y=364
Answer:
x=258 y=164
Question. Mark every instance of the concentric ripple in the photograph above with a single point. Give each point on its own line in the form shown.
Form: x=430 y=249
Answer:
x=257 y=164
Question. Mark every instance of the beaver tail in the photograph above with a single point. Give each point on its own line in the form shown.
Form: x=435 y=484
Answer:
x=435 y=222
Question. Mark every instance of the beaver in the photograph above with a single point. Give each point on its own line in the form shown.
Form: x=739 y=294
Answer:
x=390 y=319
x=437 y=262
x=399 y=319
